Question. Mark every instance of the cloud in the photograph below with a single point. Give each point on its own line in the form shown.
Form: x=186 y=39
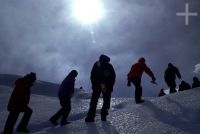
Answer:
x=42 y=36
x=197 y=69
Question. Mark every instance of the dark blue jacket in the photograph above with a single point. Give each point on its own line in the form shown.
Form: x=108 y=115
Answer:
x=66 y=88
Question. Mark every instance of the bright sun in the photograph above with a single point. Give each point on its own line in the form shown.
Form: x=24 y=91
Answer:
x=87 y=11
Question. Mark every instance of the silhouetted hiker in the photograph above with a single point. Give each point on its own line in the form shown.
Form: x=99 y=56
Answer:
x=161 y=93
x=196 y=82
x=135 y=75
x=103 y=79
x=18 y=102
x=66 y=91
x=170 y=75
x=184 y=86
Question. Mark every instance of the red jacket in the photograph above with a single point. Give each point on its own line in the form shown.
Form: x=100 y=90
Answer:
x=137 y=69
x=162 y=93
x=20 y=96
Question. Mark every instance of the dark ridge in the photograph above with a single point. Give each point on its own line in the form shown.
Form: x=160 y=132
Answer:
x=40 y=87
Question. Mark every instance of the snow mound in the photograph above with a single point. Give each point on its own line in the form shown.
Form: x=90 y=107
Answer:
x=178 y=113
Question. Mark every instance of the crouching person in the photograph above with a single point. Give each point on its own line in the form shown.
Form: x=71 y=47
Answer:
x=18 y=102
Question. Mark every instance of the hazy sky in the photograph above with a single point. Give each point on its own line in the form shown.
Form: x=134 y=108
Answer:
x=44 y=37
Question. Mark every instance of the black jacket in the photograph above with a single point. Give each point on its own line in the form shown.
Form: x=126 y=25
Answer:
x=103 y=72
x=184 y=86
x=196 y=84
x=171 y=72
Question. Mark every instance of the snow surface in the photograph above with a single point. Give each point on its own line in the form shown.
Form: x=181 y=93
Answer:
x=177 y=113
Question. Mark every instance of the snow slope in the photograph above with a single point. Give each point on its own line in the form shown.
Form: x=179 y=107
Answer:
x=178 y=113
x=40 y=87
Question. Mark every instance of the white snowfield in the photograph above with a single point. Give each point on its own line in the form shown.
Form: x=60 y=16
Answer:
x=177 y=113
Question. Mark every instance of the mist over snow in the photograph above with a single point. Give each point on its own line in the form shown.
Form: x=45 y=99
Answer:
x=44 y=37
x=178 y=113
x=197 y=69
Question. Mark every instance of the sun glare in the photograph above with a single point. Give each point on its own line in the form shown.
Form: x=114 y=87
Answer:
x=87 y=11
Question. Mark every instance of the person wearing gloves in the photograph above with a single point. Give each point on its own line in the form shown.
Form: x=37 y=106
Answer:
x=134 y=76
